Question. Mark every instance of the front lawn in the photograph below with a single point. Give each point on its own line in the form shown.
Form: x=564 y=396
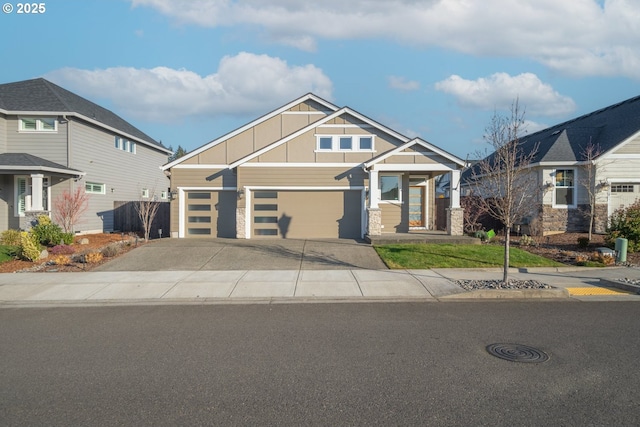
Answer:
x=423 y=256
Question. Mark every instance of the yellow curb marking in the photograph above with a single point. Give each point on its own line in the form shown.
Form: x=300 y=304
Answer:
x=597 y=291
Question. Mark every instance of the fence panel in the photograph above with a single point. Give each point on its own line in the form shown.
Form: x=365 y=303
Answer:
x=126 y=219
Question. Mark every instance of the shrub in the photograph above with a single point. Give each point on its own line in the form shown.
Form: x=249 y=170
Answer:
x=527 y=240
x=62 y=260
x=583 y=242
x=93 y=257
x=582 y=259
x=10 y=238
x=48 y=234
x=29 y=247
x=62 y=250
x=111 y=250
x=625 y=223
x=603 y=259
x=66 y=238
x=481 y=234
x=44 y=220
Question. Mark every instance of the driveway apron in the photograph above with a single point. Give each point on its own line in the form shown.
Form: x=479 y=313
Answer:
x=232 y=254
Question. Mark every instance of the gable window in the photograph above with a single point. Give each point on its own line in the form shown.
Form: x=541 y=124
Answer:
x=565 y=188
x=344 y=143
x=390 y=188
x=38 y=124
x=94 y=188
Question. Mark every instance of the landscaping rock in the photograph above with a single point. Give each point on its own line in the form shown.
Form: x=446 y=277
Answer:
x=472 y=285
x=44 y=254
x=84 y=241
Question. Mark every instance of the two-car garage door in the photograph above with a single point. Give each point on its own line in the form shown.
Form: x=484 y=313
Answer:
x=306 y=214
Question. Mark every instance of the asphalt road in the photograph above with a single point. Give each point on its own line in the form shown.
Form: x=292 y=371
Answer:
x=320 y=364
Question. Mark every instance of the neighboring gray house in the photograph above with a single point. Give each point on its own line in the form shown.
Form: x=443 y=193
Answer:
x=561 y=169
x=53 y=140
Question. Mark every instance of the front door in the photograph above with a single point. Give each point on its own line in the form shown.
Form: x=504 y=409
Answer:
x=416 y=206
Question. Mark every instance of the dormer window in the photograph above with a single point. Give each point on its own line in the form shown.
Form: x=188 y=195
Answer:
x=38 y=124
x=345 y=143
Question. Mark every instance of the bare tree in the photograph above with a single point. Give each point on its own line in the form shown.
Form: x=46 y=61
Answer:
x=588 y=180
x=504 y=180
x=68 y=208
x=147 y=208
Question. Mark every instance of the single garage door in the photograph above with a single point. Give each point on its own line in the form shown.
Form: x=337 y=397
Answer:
x=623 y=195
x=307 y=214
x=210 y=214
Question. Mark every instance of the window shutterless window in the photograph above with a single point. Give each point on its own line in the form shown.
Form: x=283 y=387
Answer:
x=565 y=194
x=94 y=188
x=366 y=143
x=390 y=188
x=38 y=124
x=344 y=143
x=325 y=143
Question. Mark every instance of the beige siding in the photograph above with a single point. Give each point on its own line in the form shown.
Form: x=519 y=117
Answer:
x=294 y=176
x=632 y=147
x=214 y=156
x=391 y=217
x=3 y=133
x=240 y=145
x=185 y=177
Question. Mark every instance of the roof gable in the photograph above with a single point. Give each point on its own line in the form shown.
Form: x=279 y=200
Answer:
x=292 y=107
x=419 y=146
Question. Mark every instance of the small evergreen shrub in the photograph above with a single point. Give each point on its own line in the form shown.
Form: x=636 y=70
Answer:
x=10 y=238
x=93 y=257
x=29 y=247
x=47 y=234
x=111 y=250
x=527 y=240
x=62 y=260
x=62 y=250
x=481 y=234
x=625 y=223
x=66 y=238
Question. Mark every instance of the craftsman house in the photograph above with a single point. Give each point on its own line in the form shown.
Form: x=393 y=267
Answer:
x=52 y=140
x=562 y=166
x=310 y=170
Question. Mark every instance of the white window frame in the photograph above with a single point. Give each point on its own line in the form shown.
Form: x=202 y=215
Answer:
x=118 y=143
x=124 y=144
x=26 y=199
x=574 y=204
x=39 y=125
x=102 y=187
x=145 y=193
x=335 y=143
x=386 y=175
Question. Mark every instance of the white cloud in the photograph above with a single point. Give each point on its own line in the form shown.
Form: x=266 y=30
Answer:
x=500 y=90
x=577 y=37
x=243 y=84
x=401 y=83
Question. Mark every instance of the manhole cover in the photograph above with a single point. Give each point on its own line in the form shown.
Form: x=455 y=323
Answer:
x=517 y=353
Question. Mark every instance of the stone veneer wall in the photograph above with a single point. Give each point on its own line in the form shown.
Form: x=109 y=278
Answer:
x=455 y=221
x=573 y=220
x=374 y=227
x=240 y=223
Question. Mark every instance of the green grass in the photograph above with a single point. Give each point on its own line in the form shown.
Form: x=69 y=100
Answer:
x=7 y=253
x=423 y=256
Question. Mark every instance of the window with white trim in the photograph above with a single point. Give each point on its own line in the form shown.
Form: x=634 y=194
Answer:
x=94 y=188
x=622 y=188
x=565 y=188
x=124 y=145
x=345 y=143
x=23 y=194
x=145 y=193
x=391 y=188
x=38 y=124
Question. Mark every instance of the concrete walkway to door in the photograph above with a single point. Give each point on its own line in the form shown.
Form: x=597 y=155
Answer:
x=236 y=254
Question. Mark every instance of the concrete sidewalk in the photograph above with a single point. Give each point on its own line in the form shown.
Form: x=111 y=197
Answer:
x=260 y=286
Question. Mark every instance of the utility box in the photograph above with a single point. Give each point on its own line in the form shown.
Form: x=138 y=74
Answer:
x=621 y=249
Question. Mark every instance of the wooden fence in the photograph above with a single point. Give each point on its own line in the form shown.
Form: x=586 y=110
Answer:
x=126 y=219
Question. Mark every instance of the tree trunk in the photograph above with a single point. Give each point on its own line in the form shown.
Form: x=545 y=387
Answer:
x=591 y=219
x=505 y=269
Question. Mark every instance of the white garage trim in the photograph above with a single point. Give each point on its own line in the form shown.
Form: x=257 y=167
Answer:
x=249 y=188
x=182 y=225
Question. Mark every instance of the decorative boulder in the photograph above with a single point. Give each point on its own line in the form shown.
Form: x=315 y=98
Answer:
x=84 y=241
x=44 y=254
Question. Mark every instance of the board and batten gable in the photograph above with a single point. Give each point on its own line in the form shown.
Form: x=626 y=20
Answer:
x=123 y=174
x=259 y=136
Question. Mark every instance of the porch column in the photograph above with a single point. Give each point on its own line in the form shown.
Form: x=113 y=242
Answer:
x=374 y=215
x=454 y=201
x=36 y=192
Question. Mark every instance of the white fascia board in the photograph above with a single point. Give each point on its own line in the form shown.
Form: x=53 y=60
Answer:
x=302 y=188
x=207 y=188
x=90 y=120
x=441 y=152
x=319 y=123
x=607 y=154
x=415 y=141
x=414 y=167
x=44 y=169
x=299 y=165
x=249 y=125
x=202 y=166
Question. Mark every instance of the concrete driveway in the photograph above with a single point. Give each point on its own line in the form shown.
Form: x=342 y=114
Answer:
x=232 y=254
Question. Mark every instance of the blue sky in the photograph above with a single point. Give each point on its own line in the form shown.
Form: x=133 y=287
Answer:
x=188 y=71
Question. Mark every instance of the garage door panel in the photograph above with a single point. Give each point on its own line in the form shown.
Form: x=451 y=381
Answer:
x=210 y=214
x=308 y=214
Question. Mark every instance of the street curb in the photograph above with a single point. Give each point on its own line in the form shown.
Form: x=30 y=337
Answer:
x=555 y=293
x=621 y=285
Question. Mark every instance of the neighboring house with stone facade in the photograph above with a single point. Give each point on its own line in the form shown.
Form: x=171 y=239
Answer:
x=561 y=168
x=310 y=169
x=52 y=140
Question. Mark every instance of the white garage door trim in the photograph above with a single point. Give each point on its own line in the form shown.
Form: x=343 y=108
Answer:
x=249 y=189
x=182 y=204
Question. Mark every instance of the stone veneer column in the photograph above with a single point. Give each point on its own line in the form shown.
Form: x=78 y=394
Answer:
x=455 y=221
x=374 y=227
x=240 y=223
